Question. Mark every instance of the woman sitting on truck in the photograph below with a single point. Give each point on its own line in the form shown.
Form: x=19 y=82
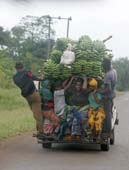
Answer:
x=96 y=112
x=48 y=103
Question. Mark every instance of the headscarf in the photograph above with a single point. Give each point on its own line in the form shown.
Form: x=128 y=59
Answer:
x=45 y=92
x=45 y=83
x=93 y=82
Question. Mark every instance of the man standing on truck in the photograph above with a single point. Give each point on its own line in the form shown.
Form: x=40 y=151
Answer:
x=110 y=80
x=24 y=80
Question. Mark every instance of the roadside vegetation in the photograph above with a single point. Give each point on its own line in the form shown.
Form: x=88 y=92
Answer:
x=15 y=115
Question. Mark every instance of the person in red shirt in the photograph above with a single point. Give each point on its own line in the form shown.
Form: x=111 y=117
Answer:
x=24 y=80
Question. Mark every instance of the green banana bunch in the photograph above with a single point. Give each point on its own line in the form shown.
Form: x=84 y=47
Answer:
x=83 y=67
x=51 y=70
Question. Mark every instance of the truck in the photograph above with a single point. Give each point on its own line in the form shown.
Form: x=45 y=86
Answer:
x=87 y=62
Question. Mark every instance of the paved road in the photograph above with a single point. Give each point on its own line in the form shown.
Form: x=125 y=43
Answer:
x=23 y=152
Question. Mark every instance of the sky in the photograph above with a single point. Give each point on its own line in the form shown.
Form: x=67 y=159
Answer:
x=96 y=18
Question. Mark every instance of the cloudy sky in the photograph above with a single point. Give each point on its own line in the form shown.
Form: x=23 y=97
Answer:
x=96 y=18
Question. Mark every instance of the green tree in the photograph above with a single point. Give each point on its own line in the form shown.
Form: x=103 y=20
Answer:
x=31 y=35
x=122 y=67
x=4 y=37
x=6 y=70
x=18 y=37
x=36 y=28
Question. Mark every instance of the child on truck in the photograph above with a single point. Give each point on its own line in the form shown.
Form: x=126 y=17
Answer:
x=96 y=112
x=59 y=95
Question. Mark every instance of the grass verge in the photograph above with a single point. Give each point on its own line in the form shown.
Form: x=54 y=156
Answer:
x=15 y=114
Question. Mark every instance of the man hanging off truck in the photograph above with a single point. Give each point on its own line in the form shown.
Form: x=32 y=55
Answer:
x=24 y=80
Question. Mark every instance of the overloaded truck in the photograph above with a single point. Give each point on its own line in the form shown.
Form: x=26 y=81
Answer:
x=82 y=58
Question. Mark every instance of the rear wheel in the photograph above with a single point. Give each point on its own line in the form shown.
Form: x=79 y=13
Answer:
x=112 y=137
x=104 y=147
x=46 y=145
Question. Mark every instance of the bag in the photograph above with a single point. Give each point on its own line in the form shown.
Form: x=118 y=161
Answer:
x=68 y=57
x=50 y=115
x=48 y=127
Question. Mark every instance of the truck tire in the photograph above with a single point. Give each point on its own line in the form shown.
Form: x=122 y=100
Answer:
x=104 y=147
x=46 y=145
x=112 y=137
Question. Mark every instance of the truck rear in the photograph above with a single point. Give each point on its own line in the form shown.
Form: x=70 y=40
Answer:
x=85 y=60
